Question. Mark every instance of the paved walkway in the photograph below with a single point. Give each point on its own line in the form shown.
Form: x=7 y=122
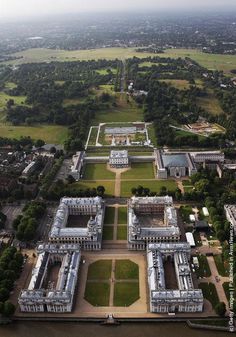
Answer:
x=112 y=283
x=212 y=279
x=118 y=173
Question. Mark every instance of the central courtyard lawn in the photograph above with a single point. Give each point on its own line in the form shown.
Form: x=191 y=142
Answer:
x=85 y=184
x=100 y=270
x=97 y=294
x=51 y=134
x=122 y=215
x=126 y=269
x=209 y=293
x=121 y=233
x=153 y=185
x=97 y=171
x=107 y=233
x=125 y=293
x=109 y=215
x=139 y=171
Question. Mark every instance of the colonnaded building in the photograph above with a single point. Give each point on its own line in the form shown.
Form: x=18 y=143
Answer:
x=53 y=281
x=79 y=221
x=165 y=296
x=174 y=165
x=151 y=219
x=119 y=159
x=230 y=212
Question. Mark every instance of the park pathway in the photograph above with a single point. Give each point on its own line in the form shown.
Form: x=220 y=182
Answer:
x=219 y=284
x=115 y=223
x=112 y=283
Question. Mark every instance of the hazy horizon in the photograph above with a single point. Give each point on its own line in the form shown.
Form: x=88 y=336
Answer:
x=38 y=8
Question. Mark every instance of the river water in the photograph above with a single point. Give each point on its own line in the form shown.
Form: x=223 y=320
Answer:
x=39 y=329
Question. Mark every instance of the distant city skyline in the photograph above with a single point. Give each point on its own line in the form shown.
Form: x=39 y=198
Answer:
x=27 y=8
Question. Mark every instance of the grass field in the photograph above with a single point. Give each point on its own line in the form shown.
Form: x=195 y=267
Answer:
x=122 y=215
x=125 y=293
x=123 y=112
x=153 y=185
x=99 y=270
x=84 y=184
x=139 y=171
x=178 y=84
x=152 y=136
x=97 y=294
x=121 y=233
x=97 y=171
x=210 y=103
x=209 y=293
x=106 y=71
x=51 y=134
x=107 y=233
x=109 y=215
x=221 y=267
x=19 y=100
x=210 y=61
x=126 y=269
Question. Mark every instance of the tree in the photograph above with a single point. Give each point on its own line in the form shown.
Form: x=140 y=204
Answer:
x=101 y=190
x=39 y=143
x=220 y=309
x=8 y=309
x=133 y=190
x=70 y=179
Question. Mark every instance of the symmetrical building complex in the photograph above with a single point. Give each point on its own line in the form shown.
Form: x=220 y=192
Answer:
x=170 y=299
x=53 y=280
x=88 y=214
x=151 y=219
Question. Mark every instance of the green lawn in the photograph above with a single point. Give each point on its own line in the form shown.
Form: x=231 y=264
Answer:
x=109 y=215
x=107 y=233
x=204 y=269
x=121 y=232
x=125 y=293
x=221 y=267
x=152 y=136
x=93 y=137
x=153 y=185
x=51 y=134
x=84 y=184
x=105 y=71
x=126 y=269
x=97 y=294
x=122 y=215
x=97 y=172
x=139 y=171
x=100 y=270
x=209 y=293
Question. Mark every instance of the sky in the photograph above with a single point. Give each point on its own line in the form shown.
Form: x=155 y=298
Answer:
x=26 y=8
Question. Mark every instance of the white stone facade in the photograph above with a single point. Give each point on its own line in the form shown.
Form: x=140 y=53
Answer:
x=89 y=237
x=42 y=296
x=140 y=233
x=119 y=159
x=183 y=299
x=230 y=212
x=78 y=161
